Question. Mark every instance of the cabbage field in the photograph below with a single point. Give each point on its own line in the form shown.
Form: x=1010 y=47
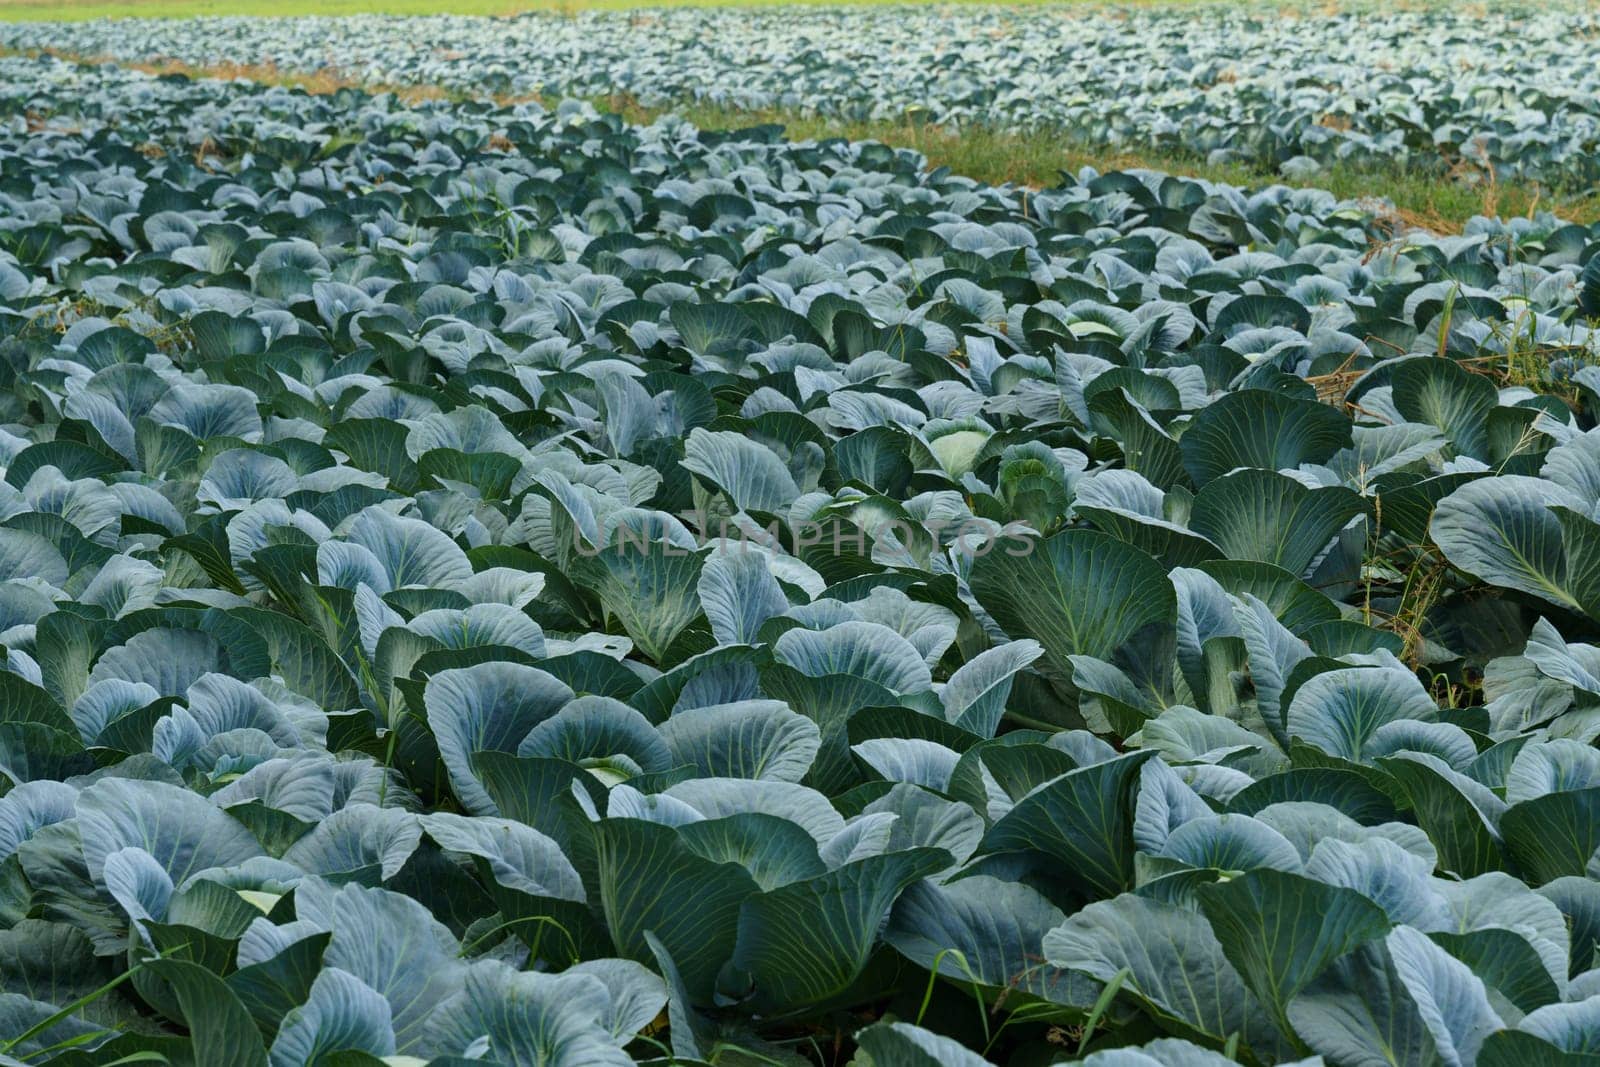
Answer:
x=490 y=584
x=1510 y=95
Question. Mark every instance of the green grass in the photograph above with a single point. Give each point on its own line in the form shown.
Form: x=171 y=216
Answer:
x=1037 y=159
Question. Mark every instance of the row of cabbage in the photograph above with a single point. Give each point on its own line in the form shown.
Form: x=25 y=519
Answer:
x=1509 y=94
x=483 y=584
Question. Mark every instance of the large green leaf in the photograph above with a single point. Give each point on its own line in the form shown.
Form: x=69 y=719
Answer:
x=516 y=855
x=1506 y=962
x=739 y=593
x=749 y=739
x=392 y=944
x=1451 y=1000
x=537 y=792
x=1358 y=1011
x=1255 y=428
x=1173 y=963
x=1146 y=447
x=975 y=696
x=806 y=942
x=646 y=874
x=1230 y=842
x=983 y=929
x=1504 y=530
x=1273 y=518
x=411 y=551
x=858 y=649
x=1578 y=898
x=1462 y=817
x=54 y=963
x=1082 y=820
x=340 y=1013
x=750 y=474
x=1567 y=1034
x=1280 y=930
x=1076 y=593
x=1555 y=835
x=358 y=843
x=1440 y=392
x=489 y=707
x=898 y=1044
x=829 y=701
x=222 y=1030
x=648 y=588
x=530 y=1019
x=773 y=850
x=1340 y=711
x=177 y=827
x=270 y=988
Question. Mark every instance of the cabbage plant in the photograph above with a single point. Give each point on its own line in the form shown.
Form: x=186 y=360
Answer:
x=485 y=584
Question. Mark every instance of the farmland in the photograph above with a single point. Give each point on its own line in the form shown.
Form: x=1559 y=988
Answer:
x=1446 y=115
x=489 y=574
x=1507 y=96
